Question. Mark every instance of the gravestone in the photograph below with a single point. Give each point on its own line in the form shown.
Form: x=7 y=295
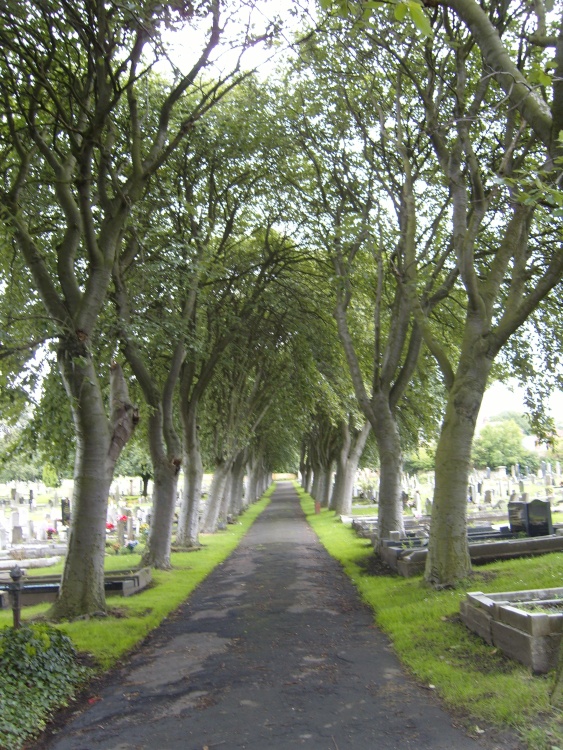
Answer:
x=488 y=496
x=65 y=511
x=3 y=538
x=17 y=535
x=539 y=518
x=518 y=517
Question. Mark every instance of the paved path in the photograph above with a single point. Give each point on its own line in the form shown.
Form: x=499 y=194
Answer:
x=273 y=651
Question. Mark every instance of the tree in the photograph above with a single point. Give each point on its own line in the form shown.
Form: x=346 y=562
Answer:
x=354 y=191
x=75 y=134
x=507 y=274
x=498 y=444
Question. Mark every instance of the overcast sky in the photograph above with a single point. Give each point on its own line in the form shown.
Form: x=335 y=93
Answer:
x=500 y=397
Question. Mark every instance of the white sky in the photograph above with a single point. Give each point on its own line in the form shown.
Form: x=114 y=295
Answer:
x=500 y=397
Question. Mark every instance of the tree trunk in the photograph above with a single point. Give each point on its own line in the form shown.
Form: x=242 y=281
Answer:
x=225 y=506
x=448 y=554
x=326 y=485
x=252 y=469
x=188 y=521
x=99 y=442
x=237 y=485
x=386 y=432
x=213 y=507
x=348 y=460
x=157 y=553
x=145 y=478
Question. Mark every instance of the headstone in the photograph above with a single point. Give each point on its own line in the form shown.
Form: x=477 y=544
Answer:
x=65 y=511
x=130 y=533
x=3 y=538
x=121 y=532
x=428 y=507
x=521 y=486
x=518 y=517
x=488 y=496
x=17 y=535
x=417 y=503
x=539 y=518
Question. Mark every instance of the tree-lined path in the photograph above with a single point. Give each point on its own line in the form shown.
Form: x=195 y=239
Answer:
x=273 y=651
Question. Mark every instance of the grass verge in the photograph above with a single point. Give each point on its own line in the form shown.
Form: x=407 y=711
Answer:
x=473 y=678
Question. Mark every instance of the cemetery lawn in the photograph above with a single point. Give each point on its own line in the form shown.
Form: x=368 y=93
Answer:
x=130 y=619
x=485 y=689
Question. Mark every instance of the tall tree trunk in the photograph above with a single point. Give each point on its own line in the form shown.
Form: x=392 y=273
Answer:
x=145 y=479
x=386 y=432
x=188 y=521
x=326 y=485
x=252 y=471
x=213 y=507
x=317 y=483
x=237 y=484
x=99 y=442
x=157 y=553
x=448 y=555
x=225 y=506
x=348 y=460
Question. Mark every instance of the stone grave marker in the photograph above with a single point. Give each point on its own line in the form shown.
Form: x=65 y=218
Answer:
x=518 y=517
x=65 y=511
x=539 y=518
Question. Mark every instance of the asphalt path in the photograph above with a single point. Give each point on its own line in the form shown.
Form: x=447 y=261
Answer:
x=273 y=651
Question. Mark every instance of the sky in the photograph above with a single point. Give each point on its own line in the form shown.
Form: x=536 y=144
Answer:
x=500 y=397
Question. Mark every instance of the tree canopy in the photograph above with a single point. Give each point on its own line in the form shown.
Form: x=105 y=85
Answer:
x=270 y=268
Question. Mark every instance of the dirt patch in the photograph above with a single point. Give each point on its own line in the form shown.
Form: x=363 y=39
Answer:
x=373 y=565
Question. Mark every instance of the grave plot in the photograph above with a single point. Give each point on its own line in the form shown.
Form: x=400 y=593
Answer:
x=37 y=589
x=525 y=625
x=529 y=533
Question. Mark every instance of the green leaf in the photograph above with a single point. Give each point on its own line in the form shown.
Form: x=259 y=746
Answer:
x=400 y=11
x=420 y=19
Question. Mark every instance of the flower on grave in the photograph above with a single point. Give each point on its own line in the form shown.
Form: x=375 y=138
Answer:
x=123 y=518
x=51 y=531
x=110 y=526
x=131 y=544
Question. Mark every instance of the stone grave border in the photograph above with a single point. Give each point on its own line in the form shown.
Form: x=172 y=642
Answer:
x=532 y=638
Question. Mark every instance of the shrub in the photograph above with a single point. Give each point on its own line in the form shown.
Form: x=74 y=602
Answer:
x=39 y=672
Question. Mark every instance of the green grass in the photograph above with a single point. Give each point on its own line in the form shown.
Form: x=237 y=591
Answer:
x=131 y=619
x=470 y=676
